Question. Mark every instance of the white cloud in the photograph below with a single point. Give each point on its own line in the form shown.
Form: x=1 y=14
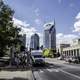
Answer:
x=77 y=23
x=77 y=26
x=27 y=29
x=78 y=16
x=65 y=38
x=38 y=21
x=59 y=35
x=20 y=23
x=37 y=11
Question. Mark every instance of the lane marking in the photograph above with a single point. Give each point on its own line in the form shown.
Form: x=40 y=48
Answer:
x=49 y=70
x=41 y=71
x=37 y=76
x=73 y=75
x=53 y=70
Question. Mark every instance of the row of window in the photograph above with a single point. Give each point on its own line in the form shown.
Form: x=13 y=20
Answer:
x=74 y=52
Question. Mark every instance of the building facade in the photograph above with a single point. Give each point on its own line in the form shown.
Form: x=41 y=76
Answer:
x=50 y=36
x=62 y=46
x=73 y=50
x=34 y=43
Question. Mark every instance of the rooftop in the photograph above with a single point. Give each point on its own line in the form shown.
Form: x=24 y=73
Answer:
x=47 y=26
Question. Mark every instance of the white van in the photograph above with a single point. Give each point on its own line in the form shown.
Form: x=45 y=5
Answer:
x=37 y=56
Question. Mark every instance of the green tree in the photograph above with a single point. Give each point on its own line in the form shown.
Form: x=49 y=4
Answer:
x=9 y=34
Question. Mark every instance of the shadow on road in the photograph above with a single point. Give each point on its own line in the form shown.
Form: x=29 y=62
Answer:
x=15 y=79
x=14 y=68
x=46 y=66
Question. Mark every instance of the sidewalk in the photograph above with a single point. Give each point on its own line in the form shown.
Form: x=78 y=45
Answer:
x=55 y=60
x=16 y=74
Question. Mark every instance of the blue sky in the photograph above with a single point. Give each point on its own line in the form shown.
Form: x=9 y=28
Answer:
x=38 y=12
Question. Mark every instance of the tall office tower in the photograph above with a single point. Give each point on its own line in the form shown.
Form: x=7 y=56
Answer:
x=50 y=35
x=34 y=43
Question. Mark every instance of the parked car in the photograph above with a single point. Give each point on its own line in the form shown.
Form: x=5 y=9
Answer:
x=74 y=60
x=67 y=59
x=70 y=60
x=60 y=58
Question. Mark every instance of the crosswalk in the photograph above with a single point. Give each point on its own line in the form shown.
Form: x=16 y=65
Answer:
x=49 y=70
x=53 y=70
x=38 y=74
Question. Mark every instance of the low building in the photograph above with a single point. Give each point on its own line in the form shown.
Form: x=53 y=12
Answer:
x=76 y=42
x=61 y=47
x=73 y=50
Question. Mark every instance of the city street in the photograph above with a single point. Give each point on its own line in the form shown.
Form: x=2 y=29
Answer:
x=53 y=70
x=57 y=70
x=39 y=39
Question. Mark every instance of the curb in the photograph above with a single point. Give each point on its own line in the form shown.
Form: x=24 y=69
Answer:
x=33 y=77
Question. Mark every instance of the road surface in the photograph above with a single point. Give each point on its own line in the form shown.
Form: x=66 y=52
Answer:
x=56 y=70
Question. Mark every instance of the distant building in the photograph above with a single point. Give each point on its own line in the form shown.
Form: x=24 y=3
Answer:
x=61 y=47
x=73 y=50
x=50 y=35
x=76 y=42
x=23 y=39
x=34 y=43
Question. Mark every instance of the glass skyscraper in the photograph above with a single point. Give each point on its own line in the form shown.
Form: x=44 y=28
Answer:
x=34 y=43
x=50 y=36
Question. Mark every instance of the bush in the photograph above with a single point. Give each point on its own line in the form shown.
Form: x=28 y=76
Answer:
x=48 y=53
x=45 y=52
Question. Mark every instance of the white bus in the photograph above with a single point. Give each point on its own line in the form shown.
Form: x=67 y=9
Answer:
x=38 y=57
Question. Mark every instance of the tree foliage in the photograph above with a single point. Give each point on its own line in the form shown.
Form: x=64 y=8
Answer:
x=49 y=53
x=9 y=35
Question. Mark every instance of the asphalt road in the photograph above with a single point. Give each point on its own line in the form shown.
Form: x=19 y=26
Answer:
x=55 y=71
